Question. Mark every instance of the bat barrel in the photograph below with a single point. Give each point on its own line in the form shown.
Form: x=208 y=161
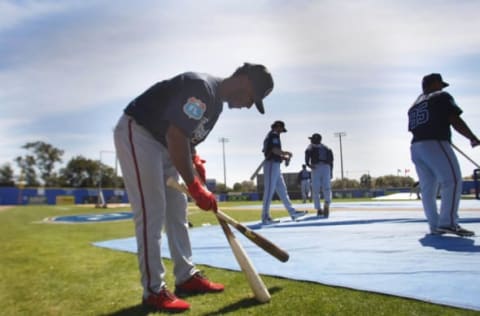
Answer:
x=256 y=238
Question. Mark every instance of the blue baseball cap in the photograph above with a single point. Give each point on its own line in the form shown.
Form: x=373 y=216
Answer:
x=262 y=82
x=431 y=78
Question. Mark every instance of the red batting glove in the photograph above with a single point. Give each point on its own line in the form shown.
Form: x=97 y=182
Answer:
x=199 y=164
x=205 y=199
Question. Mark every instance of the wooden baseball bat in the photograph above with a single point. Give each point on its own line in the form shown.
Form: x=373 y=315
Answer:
x=256 y=238
x=259 y=289
x=257 y=170
x=256 y=284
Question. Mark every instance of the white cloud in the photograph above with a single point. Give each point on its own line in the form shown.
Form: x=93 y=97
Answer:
x=14 y=13
x=351 y=66
x=10 y=141
x=379 y=32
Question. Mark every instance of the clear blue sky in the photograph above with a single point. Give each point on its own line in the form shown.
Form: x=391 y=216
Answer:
x=68 y=68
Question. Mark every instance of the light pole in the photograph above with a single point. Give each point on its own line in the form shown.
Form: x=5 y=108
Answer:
x=224 y=140
x=339 y=135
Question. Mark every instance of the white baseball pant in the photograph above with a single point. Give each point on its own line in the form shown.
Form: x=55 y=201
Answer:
x=321 y=175
x=274 y=182
x=436 y=164
x=305 y=188
x=145 y=165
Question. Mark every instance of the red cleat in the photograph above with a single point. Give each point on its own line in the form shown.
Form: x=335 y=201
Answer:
x=166 y=301
x=198 y=284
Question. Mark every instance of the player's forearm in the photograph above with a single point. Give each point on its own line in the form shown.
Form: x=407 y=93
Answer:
x=180 y=153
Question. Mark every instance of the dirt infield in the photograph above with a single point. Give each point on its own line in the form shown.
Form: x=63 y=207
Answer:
x=5 y=207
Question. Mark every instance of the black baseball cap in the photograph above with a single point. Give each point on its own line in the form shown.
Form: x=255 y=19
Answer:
x=279 y=124
x=261 y=79
x=431 y=78
x=316 y=138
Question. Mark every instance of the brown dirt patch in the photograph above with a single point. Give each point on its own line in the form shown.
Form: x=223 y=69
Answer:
x=5 y=207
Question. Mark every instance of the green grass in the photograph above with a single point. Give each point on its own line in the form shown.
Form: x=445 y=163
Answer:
x=52 y=269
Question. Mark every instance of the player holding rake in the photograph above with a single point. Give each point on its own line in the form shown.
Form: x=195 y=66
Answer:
x=429 y=120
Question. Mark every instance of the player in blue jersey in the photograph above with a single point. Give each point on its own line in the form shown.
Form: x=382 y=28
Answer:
x=155 y=139
x=303 y=178
x=272 y=177
x=319 y=158
x=429 y=120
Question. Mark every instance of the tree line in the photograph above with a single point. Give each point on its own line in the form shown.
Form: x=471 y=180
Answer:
x=367 y=182
x=37 y=167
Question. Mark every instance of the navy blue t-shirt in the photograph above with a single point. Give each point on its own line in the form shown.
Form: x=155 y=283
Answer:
x=272 y=140
x=428 y=118
x=316 y=153
x=189 y=101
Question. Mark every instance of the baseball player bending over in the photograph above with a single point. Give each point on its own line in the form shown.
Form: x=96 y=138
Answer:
x=319 y=158
x=273 y=180
x=429 y=120
x=155 y=139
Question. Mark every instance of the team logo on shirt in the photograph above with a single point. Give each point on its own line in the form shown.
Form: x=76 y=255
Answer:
x=194 y=108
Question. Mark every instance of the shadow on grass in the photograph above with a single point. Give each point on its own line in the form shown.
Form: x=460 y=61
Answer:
x=242 y=304
x=140 y=310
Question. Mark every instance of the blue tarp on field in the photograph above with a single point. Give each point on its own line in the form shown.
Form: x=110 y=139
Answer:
x=373 y=246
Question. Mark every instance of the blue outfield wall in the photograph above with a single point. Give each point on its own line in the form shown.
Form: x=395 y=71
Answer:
x=16 y=196
x=468 y=187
